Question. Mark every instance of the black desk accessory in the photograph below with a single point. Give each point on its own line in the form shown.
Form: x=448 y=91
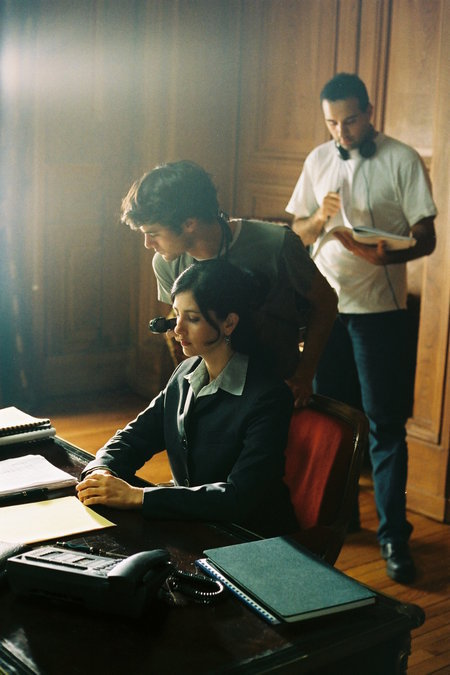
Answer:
x=98 y=582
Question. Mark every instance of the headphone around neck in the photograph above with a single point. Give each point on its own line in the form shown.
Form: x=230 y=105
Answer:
x=367 y=148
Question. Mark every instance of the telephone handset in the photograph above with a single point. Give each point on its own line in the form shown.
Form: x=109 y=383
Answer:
x=117 y=585
x=139 y=568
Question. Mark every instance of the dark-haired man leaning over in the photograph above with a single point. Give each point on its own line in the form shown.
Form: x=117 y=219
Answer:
x=176 y=208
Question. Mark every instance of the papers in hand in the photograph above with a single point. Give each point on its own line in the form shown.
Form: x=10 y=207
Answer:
x=17 y=426
x=371 y=235
x=31 y=472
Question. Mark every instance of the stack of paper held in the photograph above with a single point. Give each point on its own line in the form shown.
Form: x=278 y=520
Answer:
x=31 y=472
x=372 y=235
x=17 y=426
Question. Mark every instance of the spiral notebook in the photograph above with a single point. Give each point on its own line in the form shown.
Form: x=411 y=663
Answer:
x=17 y=426
x=207 y=567
x=282 y=581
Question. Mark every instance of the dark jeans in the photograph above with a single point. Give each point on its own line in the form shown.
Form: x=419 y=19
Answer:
x=368 y=362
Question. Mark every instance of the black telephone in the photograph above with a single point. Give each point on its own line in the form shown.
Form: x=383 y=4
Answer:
x=117 y=585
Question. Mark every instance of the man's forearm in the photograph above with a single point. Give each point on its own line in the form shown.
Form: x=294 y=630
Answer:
x=425 y=236
x=320 y=323
x=322 y=315
x=308 y=229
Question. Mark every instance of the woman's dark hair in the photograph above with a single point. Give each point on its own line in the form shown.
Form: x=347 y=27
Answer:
x=221 y=287
x=169 y=195
x=343 y=86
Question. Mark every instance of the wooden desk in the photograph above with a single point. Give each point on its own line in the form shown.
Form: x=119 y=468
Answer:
x=48 y=639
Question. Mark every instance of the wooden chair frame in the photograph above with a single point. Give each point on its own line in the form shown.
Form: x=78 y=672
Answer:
x=325 y=534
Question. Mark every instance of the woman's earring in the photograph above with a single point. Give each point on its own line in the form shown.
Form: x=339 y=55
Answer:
x=227 y=339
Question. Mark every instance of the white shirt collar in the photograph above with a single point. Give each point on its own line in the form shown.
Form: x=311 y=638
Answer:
x=231 y=379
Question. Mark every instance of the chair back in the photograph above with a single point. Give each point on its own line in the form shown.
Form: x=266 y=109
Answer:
x=324 y=455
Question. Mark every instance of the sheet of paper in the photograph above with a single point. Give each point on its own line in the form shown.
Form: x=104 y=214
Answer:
x=40 y=521
x=31 y=471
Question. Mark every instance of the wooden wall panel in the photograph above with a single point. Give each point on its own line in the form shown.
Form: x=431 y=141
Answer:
x=82 y=102
x=411 y=80
x=347 y=31
x=116 y=89
x=191 y=50
x=409 y=110
x=373 y=53
x=288 y=52
x=72 y=280
x=429 y=430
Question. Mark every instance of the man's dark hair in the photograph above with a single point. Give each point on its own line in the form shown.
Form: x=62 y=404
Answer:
x=346 y=85
x=169 y=195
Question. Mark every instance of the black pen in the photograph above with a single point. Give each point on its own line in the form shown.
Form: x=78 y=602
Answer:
x=80 y=548
x=24 y=495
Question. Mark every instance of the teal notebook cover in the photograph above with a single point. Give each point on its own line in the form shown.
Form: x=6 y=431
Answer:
x=288 y=580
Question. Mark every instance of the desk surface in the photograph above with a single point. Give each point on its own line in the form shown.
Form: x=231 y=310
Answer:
x=44 y=638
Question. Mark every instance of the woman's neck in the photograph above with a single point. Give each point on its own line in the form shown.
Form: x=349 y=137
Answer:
x=216 y=362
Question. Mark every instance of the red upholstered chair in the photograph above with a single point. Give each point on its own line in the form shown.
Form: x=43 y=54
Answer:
x=324 y=455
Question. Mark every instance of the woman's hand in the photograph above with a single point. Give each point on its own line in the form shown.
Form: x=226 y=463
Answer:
x=100 y=487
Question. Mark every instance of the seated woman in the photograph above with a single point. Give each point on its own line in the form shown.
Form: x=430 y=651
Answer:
x=223 y=418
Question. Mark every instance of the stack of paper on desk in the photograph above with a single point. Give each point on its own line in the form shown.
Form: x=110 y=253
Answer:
x=31 y=476
x=31 y=472
x=41 y=521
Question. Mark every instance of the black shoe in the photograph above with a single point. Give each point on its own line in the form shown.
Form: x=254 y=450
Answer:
x=399 y=563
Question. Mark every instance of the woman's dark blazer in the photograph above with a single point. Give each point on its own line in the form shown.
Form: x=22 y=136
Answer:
x=226 y=452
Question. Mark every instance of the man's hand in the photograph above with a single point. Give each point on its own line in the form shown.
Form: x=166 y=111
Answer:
x=301 y=387
x=100 y=487
x=308 y=229
x=330 y=206
x=376 y=255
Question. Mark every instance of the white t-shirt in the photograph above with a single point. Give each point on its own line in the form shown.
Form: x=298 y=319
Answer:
x=389 y=191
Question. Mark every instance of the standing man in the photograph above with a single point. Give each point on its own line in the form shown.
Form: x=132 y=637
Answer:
x=366 y=178
x=175 y=206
